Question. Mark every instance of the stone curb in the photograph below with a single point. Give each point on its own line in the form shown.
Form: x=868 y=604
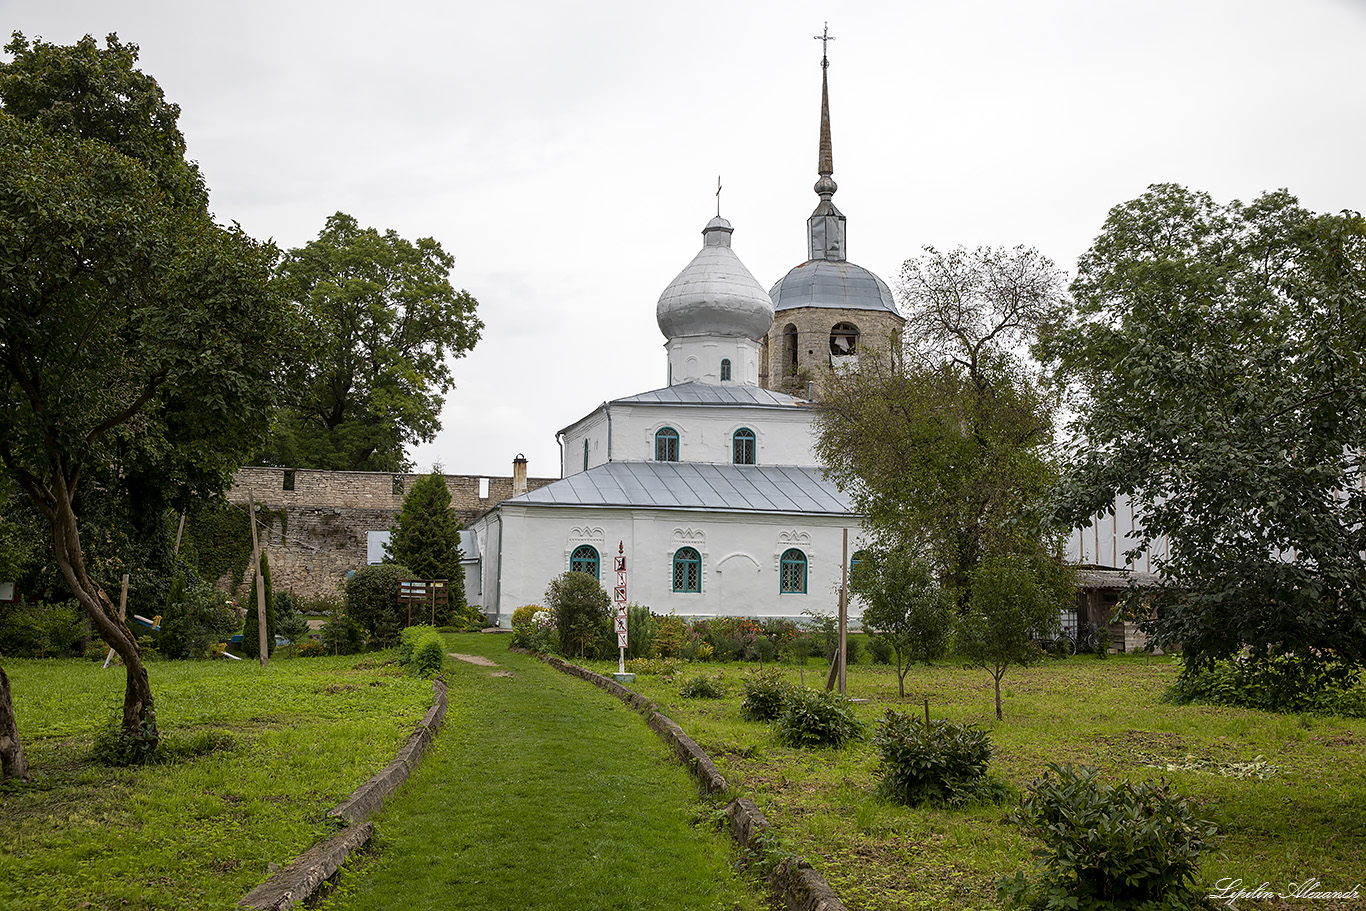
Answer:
x=802 y=888
x=291 y=886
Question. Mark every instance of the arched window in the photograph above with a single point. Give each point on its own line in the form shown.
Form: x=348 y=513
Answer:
x=725 y=370
x=742 y=447
x=858 y=557
x=584 y=560
x=843 y=339
x=666 y=445
x=585 y=453
x=687 y=570
x=790 y=345
x=792 y=572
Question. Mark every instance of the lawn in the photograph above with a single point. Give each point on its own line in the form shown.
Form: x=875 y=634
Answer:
x=1288 y=793
x=200 y=833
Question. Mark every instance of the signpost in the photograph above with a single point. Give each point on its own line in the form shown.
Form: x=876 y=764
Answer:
x=619 y=597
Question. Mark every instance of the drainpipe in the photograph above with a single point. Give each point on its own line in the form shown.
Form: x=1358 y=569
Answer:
x=559 y=440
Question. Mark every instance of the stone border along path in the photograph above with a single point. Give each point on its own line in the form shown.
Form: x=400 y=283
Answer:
x=802 y=888
x=293 y=885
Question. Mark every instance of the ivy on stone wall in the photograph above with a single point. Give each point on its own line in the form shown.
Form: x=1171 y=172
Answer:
x=218 y=539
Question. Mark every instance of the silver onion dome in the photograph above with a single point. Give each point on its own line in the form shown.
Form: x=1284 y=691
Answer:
x=715 y=295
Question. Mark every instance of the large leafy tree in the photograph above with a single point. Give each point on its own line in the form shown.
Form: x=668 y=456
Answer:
x=948 y=449
x=138 y=338
x=1220 y=356
x=384 y=320
x=426 y=536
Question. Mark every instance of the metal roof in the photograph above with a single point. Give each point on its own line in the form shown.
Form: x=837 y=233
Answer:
x=831 y=283
x=695 y=486
x=695 y=393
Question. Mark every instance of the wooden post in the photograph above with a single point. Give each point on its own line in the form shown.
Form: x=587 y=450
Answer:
x=261 y=630
x=844 y=613
x=179 y=532
x=123 y=611
x=927 y=715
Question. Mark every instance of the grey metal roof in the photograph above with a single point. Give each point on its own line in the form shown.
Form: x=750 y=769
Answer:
x=1092 y=576
x=832 y=283
x=695 y=393
x=695 y=486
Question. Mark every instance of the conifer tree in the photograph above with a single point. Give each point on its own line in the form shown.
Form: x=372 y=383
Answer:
x=426 y=538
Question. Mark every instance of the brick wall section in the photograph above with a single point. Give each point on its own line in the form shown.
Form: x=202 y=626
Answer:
x=328 y=515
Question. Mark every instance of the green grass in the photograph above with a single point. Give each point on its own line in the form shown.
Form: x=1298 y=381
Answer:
x=545 y=793
x=199 y=833
x=1307 y=820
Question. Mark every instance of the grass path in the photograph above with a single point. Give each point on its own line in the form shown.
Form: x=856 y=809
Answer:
x=544 y=792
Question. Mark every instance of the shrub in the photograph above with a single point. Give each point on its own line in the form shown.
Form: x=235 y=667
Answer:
x=310 y=648
x=583 y=614
x=813 y=718
x=1281 y=684
x=765 y=649
x=880 y=649
x=672 y=637
x=664 y=667
x=522 y=615
x=766 y=693
x=341 y=636
x=38 y=630
x=1108 y=846
x=408 y=640
x=372 y=601
x=116 y=747
x=429 y=653
x=944 y=764
x=539 y=634
x=703 y=688
x=197 y=617
x=640 y=630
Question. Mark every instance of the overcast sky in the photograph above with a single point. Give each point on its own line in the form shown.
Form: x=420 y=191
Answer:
x=567 y=153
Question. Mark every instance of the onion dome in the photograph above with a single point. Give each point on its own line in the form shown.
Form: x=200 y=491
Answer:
x=715 y=295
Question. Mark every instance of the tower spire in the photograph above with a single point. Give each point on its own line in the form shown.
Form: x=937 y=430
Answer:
x=825 y=227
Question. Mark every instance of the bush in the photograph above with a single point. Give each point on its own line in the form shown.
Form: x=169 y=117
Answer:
x=372 y=601
x=38 y=630
x=813 y=718
x=944 y=764
x=703 y=688
x=522 y=615
x=341 y=636
x=765 y=649
x=640 y=631
x=880 y=649
x=538 y=634
x=672 y=638
x=115 y=747
x=664 y=667
x=583 y=614
x=197 y=618
x=1281 y=684
x=408 y=640
x=765 y=696
x=251 y=631
x=310 y=648
x=1108 y=846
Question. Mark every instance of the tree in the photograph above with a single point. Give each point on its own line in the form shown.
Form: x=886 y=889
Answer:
x=386 y=323
x=1219 y=356
x=372 y=601
x=137 y=336
x=1016 y=598
x=583 y=612
x=948 y=449
x=426 y=536
x=904 y=606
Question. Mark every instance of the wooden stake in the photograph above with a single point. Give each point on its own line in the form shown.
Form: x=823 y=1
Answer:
x=844 y=613
x=123 y=611
x=927 y=715
x=261 y=630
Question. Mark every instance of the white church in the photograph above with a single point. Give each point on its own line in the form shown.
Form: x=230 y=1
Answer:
x=709 y=486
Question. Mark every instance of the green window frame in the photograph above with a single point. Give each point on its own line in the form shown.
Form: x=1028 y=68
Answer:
x=743 y=444
x=666 y=445
x=687 y=570
x=792 y=572
x=585 y=559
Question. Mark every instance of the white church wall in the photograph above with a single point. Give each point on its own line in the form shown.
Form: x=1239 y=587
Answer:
x=699 y=358
x=705 y=434
x=740 y=555
x=592 y=429
x=1106 y=538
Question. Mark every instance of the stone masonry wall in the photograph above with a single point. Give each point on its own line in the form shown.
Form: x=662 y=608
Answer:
x=877 y=336
x=328 y=515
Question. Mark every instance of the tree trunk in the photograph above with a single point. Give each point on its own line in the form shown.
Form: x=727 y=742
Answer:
x=997 y=677
x=12 y=761
x=139 y=715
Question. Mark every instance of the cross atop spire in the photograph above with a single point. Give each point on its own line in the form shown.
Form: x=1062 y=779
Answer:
x=825 y=38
